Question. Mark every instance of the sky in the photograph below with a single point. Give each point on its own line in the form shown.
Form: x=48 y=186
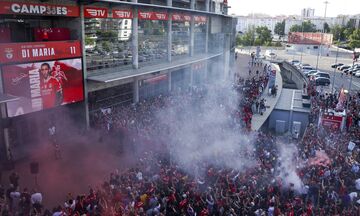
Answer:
x=293 y=7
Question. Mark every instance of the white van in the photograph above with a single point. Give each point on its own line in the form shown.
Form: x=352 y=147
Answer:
x=269 y=54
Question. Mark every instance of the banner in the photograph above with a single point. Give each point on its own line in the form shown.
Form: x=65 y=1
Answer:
x=153 y=15
x=25 y=8
x=156 y=79
x=43 y=85
x=310 y=38
x=331 y=121
x=177 y=17
x=95 y=12
x=200 y=19
x=122 y=14
x=51 y=34
x=187 y=18
x=39 y=51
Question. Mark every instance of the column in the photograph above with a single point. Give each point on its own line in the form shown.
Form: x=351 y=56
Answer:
x=136 y=90
x=86 y=99
x=207 y=5
x=192 y=36
x=207 y=8
x=191 y=75
x=169 y=78
x=192 y=4
x=227 y=56
x=5 y=139
x=135 y=38
x=169 y=41
x=169 y=3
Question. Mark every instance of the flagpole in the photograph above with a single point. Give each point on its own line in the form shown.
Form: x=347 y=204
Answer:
x=350 y=85
x=336 y=59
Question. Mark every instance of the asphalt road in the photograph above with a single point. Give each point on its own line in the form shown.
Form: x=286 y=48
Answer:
x=325 y=65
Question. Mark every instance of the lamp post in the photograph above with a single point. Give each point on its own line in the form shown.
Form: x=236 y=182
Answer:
x=336 y=59
x=322 y=36
x=302 y=39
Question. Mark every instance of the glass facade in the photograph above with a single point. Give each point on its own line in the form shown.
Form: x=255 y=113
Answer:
x=180 y=39
x=200 y=37
x=152 y=87
x=108 y=43
x=153 y=40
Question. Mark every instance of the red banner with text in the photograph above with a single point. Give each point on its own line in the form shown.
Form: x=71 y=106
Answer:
x=122 y=14
x=39 y=51
x=43 y=85
x=152 y=15
x=25 y=8
x=95 y=12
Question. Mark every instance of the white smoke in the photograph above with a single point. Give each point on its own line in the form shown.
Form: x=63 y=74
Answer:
x=288 y=162
x=205 y=133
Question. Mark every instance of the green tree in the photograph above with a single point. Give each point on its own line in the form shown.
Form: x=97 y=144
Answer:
x=355 y=39
x=89 y=41
x=248 y=38
x=306 y=26
x=106 y=46
x=280 y=28
x=326 y=28
x=263 y=35
x=337 y=32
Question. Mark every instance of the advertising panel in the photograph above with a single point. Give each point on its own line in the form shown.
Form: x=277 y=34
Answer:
x=25 y=8
x=122 y=14
x=95 y=12
x=310 y=38
x=200 y=19
x=152 y=15
x=177 y=17
x=43 y=85
x=38 y=51
x=332 y=121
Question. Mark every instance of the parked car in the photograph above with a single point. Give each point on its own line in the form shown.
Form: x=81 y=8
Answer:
x=343 y=67
x=357 y=74
x=295 y=62
x=306 y=68
x=336 y=65
x=269 y=54
x=306 y=73
x=322 y=74
x=322 y=81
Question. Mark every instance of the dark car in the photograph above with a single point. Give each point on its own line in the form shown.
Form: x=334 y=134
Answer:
x=337 y=65
x=322 y=81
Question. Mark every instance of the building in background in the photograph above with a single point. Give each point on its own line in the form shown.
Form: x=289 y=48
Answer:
x=307 y=12
x=97 y=55
x=244 y=23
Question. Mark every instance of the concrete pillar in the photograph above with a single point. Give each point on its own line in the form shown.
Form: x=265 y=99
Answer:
x=192 y=4
x=207 y=5
x=227 y=56
x=135 y=38
x=207 y=35
x=169 y=41
x=136 y=91
x=169 y=78
x=86 y=99
x=191 y=75
x=169 y=3
x=192 y=36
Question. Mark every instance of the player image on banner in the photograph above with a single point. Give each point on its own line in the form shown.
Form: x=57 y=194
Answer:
x=43 y=85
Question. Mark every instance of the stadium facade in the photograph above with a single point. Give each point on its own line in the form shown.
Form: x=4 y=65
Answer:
x=81 y=57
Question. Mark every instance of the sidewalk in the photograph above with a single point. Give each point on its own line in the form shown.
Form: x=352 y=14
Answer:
x=241 y=67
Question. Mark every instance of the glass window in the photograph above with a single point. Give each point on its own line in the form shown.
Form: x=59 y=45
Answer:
x=108 y=43
x=180 y=39
x=200 y=35
x=152 y=41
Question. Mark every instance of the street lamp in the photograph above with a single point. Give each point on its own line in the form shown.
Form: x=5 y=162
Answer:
x=322 y=36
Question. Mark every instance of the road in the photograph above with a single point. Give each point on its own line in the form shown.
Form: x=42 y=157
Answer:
x=325 y=65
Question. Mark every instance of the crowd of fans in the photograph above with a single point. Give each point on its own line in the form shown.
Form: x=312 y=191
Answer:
x=327 y=164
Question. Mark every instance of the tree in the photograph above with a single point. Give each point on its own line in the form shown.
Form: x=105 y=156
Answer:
x=89 y=41
x=337 y=32
x=106 y=46
x=280 y=28
x=306 y=26
x=263 y=35
x=326 y=27
x=355 y=39
x=248 y=38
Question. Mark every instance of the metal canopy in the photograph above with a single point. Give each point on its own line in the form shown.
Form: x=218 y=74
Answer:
x=4 y=98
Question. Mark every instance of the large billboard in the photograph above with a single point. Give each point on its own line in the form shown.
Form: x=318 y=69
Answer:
x=39 y=51
x=43 y=85
x=29 y=8
x=310 y=38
